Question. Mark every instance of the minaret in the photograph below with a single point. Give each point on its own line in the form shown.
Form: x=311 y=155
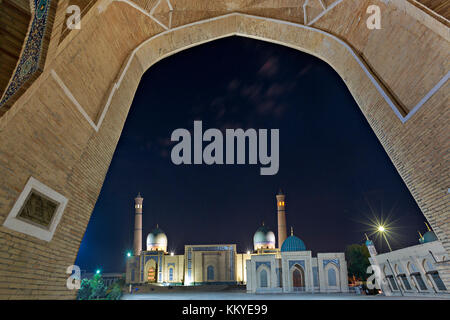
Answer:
x=138 y=224
x=281 y=218
x=370 y=246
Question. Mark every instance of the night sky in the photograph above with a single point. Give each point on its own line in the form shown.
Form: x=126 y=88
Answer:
x=334 y=172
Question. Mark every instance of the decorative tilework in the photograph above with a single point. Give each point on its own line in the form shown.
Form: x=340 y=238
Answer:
x=299 y=262
x=327 y=261
x=259 y=263
x=315 y=276
x=32 y=51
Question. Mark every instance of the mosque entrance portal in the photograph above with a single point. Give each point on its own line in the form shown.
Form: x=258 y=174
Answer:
x=298 y=277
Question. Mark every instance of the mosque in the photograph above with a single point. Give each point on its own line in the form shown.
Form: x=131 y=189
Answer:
x=411 y=271
x=289 y=267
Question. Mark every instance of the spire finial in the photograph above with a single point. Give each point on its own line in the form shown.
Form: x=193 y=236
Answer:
x=157 y=226
x=428 y=227
x=292 y=231
x=263 y=222
x=139 y=195
x=366 y=236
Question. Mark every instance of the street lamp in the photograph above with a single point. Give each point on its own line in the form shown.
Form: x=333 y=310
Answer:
x=382 y=230
x=128 y=254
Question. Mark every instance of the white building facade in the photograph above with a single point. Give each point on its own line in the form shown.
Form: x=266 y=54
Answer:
x=411 y=271
x=293 y=269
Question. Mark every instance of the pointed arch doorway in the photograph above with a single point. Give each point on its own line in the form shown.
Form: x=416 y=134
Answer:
x=298 y=278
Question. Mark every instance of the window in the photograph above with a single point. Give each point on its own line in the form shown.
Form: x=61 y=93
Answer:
x=405 y=282
x=210 y=273
x=37 y=211
x=263 y=278
x=170 y=274
x=151 y=275
x=332 y=277
x=392 y=283
x=419 y=280
x=437 y=280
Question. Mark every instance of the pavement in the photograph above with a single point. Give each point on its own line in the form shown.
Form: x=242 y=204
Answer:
x=239 y=295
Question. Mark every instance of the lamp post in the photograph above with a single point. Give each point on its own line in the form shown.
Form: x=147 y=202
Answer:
x=382 y=230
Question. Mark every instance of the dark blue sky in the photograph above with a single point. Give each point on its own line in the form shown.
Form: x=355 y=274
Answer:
x=334 y=172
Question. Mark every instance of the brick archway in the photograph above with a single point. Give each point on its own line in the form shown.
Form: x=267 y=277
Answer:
x=64 y=129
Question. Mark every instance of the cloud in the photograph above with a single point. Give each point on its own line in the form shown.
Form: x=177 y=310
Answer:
x=265 y=107
x=269 y=68
x=252 y=92
x=304 y=71
x=275 y=90
x=233 y=85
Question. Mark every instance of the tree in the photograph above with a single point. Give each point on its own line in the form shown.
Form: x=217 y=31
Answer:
x=357 y=257
x=95 y=289
x=114 y=292
x=98 y=288
x=84 y=293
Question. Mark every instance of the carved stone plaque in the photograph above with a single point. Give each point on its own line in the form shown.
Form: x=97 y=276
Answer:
x=38 y=209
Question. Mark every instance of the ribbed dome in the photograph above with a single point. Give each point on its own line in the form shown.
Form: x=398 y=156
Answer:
x=293 y=243
x=157 y=240
x=263 y=238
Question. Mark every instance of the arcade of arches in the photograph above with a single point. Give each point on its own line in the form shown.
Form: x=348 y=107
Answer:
x=58 y=136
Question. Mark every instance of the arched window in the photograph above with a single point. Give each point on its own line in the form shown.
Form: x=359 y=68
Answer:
x=332 y=277
x=412 y=268
x=263 y=278
x=170 y=274
x=428 y=266
x=433 y=275
x=210 y=273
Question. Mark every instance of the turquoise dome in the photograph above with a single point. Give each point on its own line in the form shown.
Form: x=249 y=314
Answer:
x=263 y=238
x=293 y=243
x=429 y=236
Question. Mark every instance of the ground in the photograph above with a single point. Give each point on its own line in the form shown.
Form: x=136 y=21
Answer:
x=250 y=296
x=234 y=293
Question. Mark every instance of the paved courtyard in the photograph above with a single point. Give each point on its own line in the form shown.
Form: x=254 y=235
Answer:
x=247 y=296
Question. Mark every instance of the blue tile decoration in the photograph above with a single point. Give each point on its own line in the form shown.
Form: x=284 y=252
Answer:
x=278 y=271
x=31 y=54
x=259 y=263
x=327 y=261
x=315 y=276
x=299 y=262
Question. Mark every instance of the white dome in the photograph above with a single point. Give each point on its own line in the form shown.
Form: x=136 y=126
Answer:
x=264 y=238
x=157 y=240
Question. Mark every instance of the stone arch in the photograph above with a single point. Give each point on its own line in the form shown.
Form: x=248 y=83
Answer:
x=88 y=132
x=332 y=276
x=210 y=276
x=263 y=277
x=297 y=277
x=412 y=267
x=151 y=271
